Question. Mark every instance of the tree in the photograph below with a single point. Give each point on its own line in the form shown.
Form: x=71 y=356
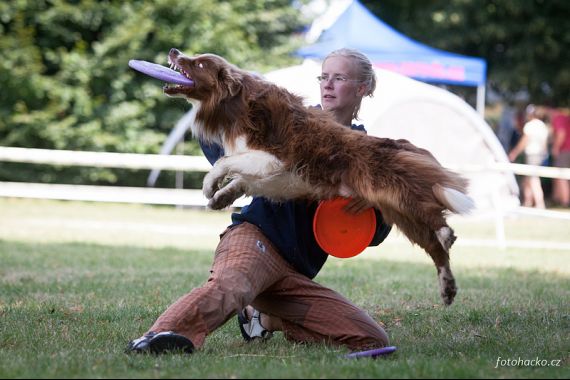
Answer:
x=525 y=42
x=66 y=84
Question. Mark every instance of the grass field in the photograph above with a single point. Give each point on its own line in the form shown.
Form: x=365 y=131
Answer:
x=79 y=280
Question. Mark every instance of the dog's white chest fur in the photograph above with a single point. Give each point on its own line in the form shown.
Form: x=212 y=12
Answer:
x=196 y=127
x=249 y=162
x=252 y=172
x=239 y=145
x=245 y=166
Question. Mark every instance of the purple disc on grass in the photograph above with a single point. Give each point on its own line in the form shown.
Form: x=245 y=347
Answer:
x=371 y=353
x=160 y=72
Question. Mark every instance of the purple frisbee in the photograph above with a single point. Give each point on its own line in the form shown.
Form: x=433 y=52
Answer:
x=371 y=353
x=160 y=72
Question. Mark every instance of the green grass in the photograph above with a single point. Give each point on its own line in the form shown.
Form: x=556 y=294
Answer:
x=79 y=280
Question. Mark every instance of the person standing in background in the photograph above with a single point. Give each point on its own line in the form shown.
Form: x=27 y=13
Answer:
x=534 y=143
x=507 y=131
x=560 y=121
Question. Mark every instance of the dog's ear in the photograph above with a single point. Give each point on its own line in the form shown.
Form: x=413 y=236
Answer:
x=231 y=80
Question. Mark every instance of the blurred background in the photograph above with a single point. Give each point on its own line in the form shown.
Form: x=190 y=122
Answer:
x=65 y=83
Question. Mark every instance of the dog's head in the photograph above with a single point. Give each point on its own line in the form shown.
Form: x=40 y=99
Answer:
x=213 y=77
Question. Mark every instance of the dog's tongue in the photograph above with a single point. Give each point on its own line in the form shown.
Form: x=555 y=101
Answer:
x=160 y=72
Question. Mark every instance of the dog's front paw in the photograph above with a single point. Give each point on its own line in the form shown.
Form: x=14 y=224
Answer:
x=219 y=203
x=225 y=196
x=210 y=186
x=214 y=178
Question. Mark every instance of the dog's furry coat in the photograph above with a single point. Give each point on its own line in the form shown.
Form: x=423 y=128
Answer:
x=277 y=148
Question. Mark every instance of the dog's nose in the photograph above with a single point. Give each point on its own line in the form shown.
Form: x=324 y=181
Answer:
x=174 y=51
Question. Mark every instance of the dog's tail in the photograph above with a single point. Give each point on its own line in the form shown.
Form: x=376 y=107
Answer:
x=449 y=188
x=456 y=201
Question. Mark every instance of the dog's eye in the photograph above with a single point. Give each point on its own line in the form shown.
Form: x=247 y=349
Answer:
x=201 y=65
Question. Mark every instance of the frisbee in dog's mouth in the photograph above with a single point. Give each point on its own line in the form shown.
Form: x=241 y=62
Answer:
x=163 y=73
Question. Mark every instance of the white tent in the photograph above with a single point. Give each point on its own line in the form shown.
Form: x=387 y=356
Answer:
x=429 y=117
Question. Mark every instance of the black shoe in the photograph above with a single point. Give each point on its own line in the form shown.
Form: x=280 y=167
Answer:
x=159 y=343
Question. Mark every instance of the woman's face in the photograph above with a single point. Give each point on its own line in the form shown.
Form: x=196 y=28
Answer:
x=341 y=91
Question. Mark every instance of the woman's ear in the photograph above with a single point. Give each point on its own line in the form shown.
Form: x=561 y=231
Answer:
x=362 y=90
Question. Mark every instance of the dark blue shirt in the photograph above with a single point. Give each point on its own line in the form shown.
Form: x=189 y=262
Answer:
x=289 y=225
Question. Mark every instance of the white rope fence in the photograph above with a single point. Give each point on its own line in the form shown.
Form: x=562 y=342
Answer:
x=181 y=197
x=169 y=162
x=104 y=159
x=201 y=164
x=146 y=195
x=520 y=169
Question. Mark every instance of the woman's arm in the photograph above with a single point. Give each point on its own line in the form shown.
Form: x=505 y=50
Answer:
x=213 y=152
x=514 y=153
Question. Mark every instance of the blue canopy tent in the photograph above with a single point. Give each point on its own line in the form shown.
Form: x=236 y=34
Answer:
x=359 y=29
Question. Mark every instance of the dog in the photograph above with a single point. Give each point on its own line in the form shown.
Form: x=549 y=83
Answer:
x=277 y=148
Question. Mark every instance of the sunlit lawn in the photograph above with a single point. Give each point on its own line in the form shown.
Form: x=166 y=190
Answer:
x=79 y=280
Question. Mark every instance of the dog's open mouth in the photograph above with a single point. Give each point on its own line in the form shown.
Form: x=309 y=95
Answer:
x=175 y=67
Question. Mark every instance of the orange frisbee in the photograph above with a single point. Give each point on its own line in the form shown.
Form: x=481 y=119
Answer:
x=339 y=233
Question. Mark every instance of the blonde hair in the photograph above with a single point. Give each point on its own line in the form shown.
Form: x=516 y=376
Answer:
x=365 y=72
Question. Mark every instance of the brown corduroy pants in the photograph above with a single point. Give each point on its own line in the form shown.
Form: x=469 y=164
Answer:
x=248 y=270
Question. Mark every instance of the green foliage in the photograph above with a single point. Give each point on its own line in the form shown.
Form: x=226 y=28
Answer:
x=525 y=42
x=66 y=84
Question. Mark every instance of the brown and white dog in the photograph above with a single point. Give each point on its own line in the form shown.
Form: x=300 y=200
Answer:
x=277 y=148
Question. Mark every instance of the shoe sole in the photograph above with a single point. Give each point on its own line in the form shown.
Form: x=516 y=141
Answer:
x=166 y=343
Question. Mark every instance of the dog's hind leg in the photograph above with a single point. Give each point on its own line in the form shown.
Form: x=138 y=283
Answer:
x=447 y=286
x=440 y=256
x=446 y=237
x=429 y=240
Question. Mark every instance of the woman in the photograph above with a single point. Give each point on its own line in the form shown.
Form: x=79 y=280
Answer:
x=268 y=257
x=534 y=143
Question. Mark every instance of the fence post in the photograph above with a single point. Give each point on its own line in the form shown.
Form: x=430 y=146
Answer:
x=179 y=173
x=499 y=220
